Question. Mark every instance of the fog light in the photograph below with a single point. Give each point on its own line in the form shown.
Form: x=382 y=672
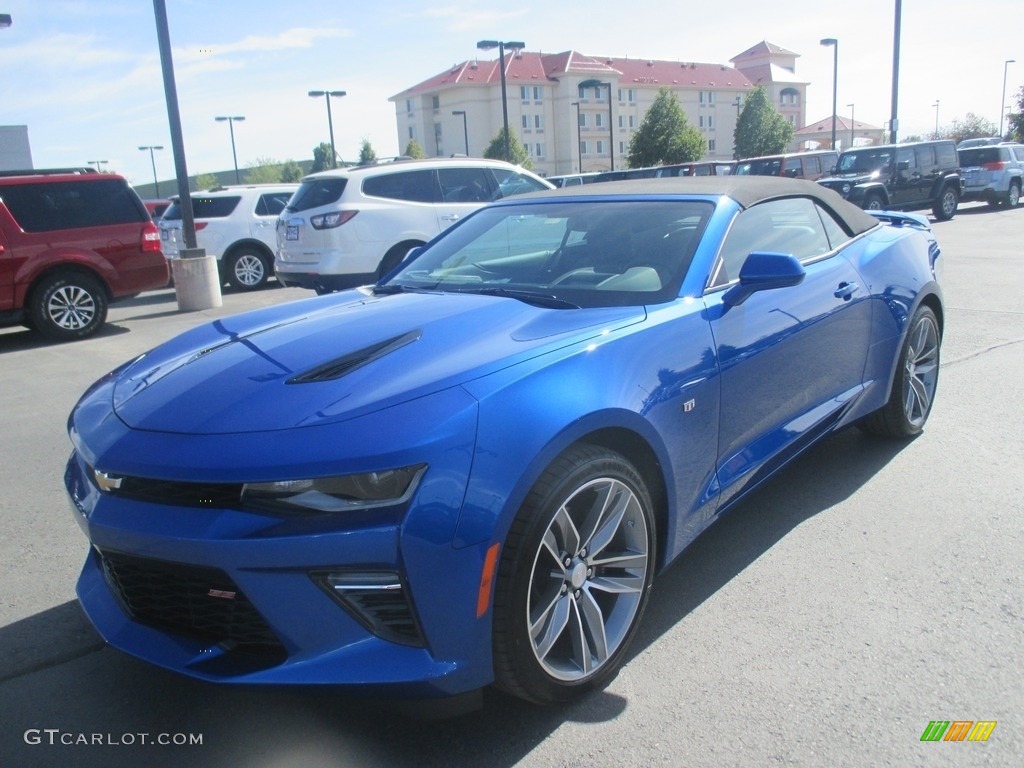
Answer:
x=376 y=599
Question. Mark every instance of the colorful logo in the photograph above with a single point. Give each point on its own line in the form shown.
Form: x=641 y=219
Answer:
x=958 y=730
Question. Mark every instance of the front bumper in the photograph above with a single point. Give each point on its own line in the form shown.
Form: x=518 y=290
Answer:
x=226 y=594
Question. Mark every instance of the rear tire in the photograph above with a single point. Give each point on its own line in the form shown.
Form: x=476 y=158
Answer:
x=68 y=305
x=394 y=256
x=574 y=577
x=247 y=269
x=913 y=387
x=945 y=207
x=1013 y=195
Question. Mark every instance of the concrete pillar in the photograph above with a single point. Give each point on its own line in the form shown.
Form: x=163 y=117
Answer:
x=196 y=280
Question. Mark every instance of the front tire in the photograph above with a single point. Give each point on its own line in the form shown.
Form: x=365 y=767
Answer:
x=913 y=388
x=574 y=577
x=945 y=207
x=247 y=269
x=68 y=306
x=874 y=202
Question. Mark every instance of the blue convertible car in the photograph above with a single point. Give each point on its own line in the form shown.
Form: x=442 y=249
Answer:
x=470 y=472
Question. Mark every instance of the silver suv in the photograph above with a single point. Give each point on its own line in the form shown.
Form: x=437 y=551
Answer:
x=993 y=173
x=235 y=224
x=350 y=226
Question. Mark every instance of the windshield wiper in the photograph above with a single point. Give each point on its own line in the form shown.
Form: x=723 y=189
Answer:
x=527 y=297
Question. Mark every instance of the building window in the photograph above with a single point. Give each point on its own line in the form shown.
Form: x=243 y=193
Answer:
x=622 y=147
x=599 y=120
x=538 y=122
x=524 y=93
x=632 y=122
x=600 y=147
x=789 y=97
x=627 y=95
x=582 y=117
x=707 y=97
x=408 y=105
x=438 y=139
x=584 y=149
x=538 y=151
x=711 y=145
x=526 y=122
x=412 y=133
x=538 y=93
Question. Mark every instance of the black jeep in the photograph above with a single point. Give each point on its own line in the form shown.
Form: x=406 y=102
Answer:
x=900 y=177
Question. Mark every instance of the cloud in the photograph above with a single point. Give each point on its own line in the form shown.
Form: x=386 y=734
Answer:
x=462 y=19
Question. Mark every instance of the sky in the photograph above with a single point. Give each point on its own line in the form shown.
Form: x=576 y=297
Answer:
x=85 y=76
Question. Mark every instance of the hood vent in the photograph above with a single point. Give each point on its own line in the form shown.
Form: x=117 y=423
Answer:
x=344 y=365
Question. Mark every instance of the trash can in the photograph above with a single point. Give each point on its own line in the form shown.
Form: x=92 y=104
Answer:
x=196 y=280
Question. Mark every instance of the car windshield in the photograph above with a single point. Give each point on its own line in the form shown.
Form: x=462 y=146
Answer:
x=589 y=253
x=864 y=161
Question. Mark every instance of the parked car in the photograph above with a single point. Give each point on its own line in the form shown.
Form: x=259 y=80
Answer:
x=703 y=168
x=901 y=177
x=237 y=224
x=470 y=472
x=572 y=179
x=350 y=226
x=794 y=165
x=156 y=208
x=980 y=142
x=993 y=173
x=72 y=241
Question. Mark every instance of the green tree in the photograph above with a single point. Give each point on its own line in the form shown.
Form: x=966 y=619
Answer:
x=971 y=127
x=517 y=152
x=665 y=136
x=367 y=156
x=322 y=159
x=206 y=181
x=264 y=170
x=1015 y=130
x=761 y=130
x=414 y=150
x=291 y=172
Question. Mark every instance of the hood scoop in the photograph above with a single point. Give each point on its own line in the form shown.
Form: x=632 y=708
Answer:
x=345 y=364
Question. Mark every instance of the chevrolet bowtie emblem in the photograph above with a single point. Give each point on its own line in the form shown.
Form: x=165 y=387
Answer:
x=107 y=482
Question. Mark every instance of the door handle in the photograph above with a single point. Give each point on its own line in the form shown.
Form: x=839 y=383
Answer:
x=845 y=291
x=450 y=217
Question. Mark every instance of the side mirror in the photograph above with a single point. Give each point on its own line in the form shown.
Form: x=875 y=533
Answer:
x=764 y=271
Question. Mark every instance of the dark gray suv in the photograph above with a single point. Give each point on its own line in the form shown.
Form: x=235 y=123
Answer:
x=993 y=173
x=900 y=177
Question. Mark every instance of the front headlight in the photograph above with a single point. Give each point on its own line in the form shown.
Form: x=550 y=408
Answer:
x=335 y=494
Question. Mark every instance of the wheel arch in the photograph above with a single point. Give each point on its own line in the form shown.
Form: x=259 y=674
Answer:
x=247 y=243
x=73 y=267
x=620 y=430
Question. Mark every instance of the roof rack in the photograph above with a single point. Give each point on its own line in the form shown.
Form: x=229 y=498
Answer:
x=48 y=171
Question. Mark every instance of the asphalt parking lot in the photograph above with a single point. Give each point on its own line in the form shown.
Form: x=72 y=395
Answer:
x=870 y=588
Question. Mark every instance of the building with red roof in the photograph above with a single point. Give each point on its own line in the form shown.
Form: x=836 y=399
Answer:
x=567 y=128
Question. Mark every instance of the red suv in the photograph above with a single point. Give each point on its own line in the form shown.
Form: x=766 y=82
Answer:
x=70 y=243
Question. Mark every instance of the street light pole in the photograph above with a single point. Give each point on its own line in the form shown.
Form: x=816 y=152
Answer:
x=152 y=160
x=611 y=128
x=465 y=128
x=834 y=44
x=1002 y=96
x=231 y=127
x=936 y=105
x=579 y=139
x=330 y=120
x=853 y=124
x=486 y=45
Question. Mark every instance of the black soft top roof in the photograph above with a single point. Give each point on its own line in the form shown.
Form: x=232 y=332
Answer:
x=745 y=190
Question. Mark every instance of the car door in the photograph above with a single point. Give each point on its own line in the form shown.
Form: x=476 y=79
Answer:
x=6 y=271
x=927 y=174
x=790 y=358
x=264 y=220
x=463 y=190
x=905 y=180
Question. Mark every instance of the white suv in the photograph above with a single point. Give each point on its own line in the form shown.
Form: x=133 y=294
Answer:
x=235 y=224
x=348 y=227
